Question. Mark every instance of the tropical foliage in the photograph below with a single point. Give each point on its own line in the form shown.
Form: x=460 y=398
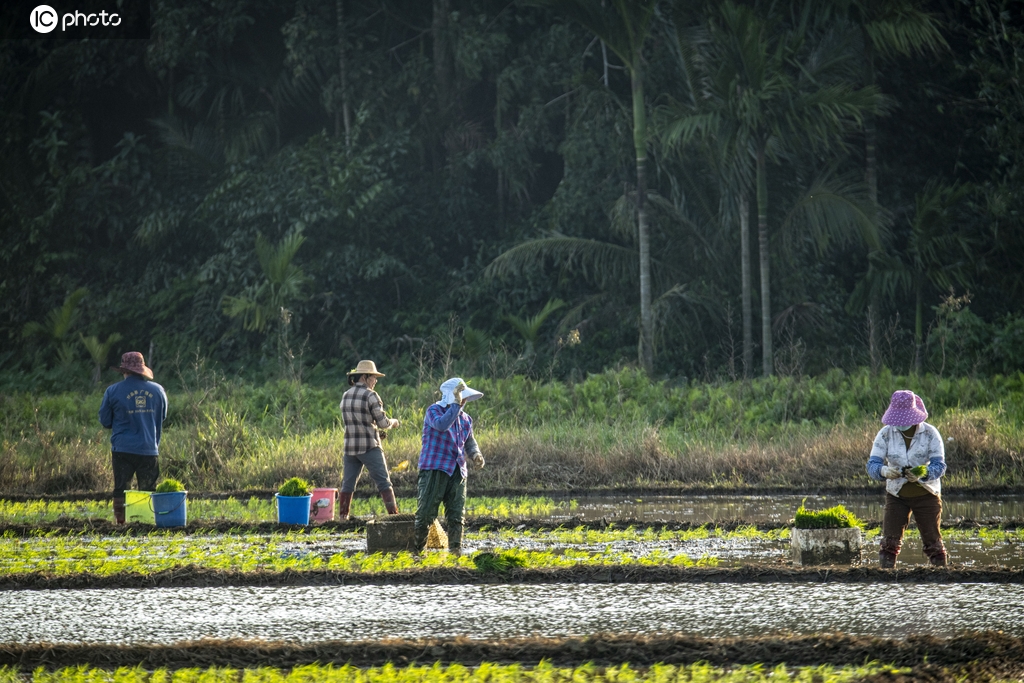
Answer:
x=292 y=186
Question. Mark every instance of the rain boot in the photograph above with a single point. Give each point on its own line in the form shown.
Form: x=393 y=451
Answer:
x=936 y=554
x=888 y=549
x=344 y=503
x=390 y=504
x=119 y=509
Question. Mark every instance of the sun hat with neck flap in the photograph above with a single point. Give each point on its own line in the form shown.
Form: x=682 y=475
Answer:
x=134 y=363
x=905 y=409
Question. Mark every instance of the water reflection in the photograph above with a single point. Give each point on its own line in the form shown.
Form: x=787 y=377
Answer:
x=777 y=508
x=304 y=614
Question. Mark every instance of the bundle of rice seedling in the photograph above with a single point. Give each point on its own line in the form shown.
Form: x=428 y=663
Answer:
x=498 y=562
x=837 y=517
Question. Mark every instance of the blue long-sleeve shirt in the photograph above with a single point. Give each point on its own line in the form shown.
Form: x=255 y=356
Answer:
x=134 y=410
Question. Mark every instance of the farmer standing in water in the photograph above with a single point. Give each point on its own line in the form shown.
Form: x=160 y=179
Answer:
x=134 y=410
x=447 y=441
x=907 y=442
x=362 y=413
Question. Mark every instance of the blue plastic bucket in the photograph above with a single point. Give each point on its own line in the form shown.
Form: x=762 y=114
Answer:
x=293 y=509
x=169 y=508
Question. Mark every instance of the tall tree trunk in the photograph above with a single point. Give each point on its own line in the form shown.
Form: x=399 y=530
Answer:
x=871 y=179
x=767 y=352
x=643 y=239
x=443 y=59
x=343 y=76
x=918 y=327
x=748 y=313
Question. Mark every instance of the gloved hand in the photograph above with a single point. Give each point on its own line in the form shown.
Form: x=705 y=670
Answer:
x=395 y=424
x=458 y=392
x=911 y=477
x=890 y=472
x=478 y=461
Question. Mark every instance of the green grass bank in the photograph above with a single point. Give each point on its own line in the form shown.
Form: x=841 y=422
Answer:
x=615 y=429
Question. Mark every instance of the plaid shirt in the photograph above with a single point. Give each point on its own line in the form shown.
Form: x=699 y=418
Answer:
x=363 y=415
x=447 y=437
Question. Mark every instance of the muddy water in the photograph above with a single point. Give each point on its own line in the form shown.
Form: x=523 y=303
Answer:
x=777 y=508
x=167 y=615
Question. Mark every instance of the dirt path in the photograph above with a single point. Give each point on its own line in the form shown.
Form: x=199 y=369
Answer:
x=199 y=578
x=979 y=655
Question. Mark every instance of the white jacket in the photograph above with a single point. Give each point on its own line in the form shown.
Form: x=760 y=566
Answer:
x=926 y=448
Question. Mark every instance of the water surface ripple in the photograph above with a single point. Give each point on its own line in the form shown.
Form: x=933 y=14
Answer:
x=351 y=613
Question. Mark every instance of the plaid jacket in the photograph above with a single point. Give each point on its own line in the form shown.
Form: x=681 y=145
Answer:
x=447 y=438
x=363 y=415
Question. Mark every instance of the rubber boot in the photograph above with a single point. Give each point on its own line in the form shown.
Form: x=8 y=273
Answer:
x=888 y=550
x=390 y=504
x=936 y=554
x=420 y=539
x=886 y=560
x=119 y=509
x=344 y=503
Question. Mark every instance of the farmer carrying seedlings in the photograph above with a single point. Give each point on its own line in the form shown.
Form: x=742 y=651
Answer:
x=363 y=415
x=134 y=410
x=909 y=456
x=447 y=440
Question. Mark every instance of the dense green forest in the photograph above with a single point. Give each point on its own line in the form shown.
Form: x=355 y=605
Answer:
x=701 y=189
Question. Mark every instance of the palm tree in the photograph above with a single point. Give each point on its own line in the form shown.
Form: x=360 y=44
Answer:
x=282 y=283
x=936 y=254
x=99 y=351
x=756 y=99
x=57 y=325
x=889 y=29
x=624 y=26
x=529 y=328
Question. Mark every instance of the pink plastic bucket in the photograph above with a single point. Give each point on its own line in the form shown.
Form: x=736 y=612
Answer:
x=321 y=505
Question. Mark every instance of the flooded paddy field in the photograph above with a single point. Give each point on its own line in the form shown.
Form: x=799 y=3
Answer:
x=769 y=508
x=776 y=508
x=300 y=614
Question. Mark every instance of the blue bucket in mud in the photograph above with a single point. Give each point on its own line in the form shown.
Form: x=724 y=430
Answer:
x=293 y=509
x=169 y=508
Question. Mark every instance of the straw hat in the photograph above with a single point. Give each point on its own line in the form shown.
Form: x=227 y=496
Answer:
x=366 y=367
x=134 y=362
x=905 y=408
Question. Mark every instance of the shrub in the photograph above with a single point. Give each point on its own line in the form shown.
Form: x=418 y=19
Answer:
x=837 y=517
x=295 y=487
x=170 y=486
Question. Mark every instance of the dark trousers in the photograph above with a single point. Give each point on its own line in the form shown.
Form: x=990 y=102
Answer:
x=927 y=511
x=144 y=468
x=434 y=487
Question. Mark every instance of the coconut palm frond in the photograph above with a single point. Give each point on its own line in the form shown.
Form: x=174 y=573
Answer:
x=58 y=321
x=602 y=263
x=902 y=28
x=835 y=209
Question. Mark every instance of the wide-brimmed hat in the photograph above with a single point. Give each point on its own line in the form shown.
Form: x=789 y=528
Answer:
x=134 y=362
x=905 y=408
x=450 y=386
x=366 y=367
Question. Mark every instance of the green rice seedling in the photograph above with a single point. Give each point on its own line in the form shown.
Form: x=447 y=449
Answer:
x=837 y=517
x=170 y=486
x=296 y=486
x=918 y=471
x=498 y=563
x=544 y=672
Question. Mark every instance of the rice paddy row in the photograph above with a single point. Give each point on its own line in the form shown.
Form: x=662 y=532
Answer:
x=457 y=673
x=264 y=510
x=317 y=549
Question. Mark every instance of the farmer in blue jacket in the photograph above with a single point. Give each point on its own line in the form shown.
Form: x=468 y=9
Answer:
x=134 y=409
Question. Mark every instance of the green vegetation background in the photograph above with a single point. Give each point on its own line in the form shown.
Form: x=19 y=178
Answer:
x=614 y=429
